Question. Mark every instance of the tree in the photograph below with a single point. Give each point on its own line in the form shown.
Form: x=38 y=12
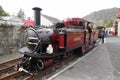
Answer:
x=110 y=23
x=107 y=23
x=2 y=12
x=21 y=14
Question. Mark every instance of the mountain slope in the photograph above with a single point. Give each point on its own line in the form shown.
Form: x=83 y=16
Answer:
x=98 y=17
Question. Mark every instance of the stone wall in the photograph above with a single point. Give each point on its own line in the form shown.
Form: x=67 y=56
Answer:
x=11 y=38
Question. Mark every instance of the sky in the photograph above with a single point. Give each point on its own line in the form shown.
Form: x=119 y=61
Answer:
x=60 y=9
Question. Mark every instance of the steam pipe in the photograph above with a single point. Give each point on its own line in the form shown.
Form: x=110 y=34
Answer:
x=37 y=16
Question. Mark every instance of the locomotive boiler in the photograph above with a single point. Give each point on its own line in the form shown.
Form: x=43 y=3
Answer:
x=46 y=46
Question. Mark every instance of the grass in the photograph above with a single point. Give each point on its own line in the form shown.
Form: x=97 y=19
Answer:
x=7 y=54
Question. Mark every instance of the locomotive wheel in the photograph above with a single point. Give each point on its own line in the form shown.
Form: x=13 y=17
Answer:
x=78 y=51
x=40 y=64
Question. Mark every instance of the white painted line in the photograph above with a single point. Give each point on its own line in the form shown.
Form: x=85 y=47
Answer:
x=66 y=68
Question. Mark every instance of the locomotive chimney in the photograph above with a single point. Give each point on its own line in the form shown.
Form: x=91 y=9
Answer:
x=37 y=16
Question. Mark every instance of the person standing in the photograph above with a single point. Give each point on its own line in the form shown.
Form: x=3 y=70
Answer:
x=102 y=34
x=89 y=28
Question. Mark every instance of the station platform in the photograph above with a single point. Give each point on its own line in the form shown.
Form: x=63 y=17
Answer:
x=102 y=63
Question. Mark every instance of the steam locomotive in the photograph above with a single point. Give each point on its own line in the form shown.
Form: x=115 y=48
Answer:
x=46 y=46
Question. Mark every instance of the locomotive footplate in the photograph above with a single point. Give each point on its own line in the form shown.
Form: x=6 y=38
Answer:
x=26 y=51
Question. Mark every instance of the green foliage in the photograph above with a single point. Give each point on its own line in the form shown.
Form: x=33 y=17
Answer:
x=107 y=23
x=110 y=23
x=21 y=14
x=2 y=12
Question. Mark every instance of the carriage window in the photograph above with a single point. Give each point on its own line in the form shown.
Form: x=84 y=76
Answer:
x=59 y=25
x=80 y=23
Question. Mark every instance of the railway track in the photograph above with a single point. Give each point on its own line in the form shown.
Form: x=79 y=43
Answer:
x=7 y=67
x=22 y=76
x=46 y=73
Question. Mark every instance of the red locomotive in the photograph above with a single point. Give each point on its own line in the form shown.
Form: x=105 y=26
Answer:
x=46 y=46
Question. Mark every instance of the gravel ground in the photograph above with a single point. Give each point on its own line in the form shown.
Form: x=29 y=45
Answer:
x=9 y=56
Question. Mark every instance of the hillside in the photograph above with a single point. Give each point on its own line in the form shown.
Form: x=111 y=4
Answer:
x=98 y=17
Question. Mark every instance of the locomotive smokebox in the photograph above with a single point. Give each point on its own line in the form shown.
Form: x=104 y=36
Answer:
x=37 y=16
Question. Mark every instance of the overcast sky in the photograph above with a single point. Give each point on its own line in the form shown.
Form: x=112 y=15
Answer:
x=58 y=8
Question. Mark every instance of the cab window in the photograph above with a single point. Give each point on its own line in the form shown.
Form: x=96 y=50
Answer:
x=80 y=23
